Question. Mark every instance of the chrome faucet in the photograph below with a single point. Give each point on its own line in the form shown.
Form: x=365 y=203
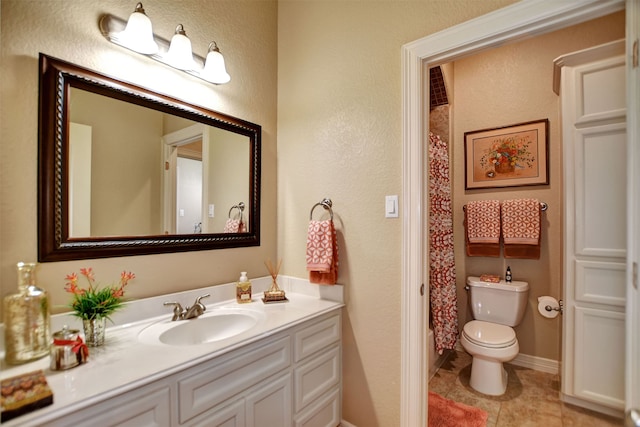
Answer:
x=192 y=312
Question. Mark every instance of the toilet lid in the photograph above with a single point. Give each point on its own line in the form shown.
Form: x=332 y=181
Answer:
x=489 y=334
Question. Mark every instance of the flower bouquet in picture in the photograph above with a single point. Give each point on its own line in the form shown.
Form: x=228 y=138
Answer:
x=274 y=293
x=95 y=304
x=506 y=154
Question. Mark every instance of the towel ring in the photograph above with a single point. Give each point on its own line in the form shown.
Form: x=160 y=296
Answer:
x=239 y=206
x=325 y=203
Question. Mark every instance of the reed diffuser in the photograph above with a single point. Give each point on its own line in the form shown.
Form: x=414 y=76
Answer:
x=274 y=293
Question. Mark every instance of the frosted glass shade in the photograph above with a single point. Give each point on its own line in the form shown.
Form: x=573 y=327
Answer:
x=180 y=54
x=214 y=67
x=138 y=34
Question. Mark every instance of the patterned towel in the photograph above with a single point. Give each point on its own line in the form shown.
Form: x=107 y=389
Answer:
x=521 y=222
x=483 y=221
x=234 y=226
x=322 y=252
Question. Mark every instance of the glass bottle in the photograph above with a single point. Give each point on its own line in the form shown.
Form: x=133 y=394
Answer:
x=27 y=334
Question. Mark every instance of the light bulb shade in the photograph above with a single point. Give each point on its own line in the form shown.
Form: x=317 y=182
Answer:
x=214 y=67
x=180 y=55
x=138 y=34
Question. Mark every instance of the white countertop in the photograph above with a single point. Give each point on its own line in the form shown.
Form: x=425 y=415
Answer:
x=125 y=363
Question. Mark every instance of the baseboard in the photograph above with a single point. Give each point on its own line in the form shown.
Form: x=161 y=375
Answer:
x=343 y=423
x=536 y=363
x=549 y=366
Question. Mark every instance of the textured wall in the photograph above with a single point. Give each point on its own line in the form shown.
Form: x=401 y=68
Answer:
x=246 y=34
x=503 y=86
x=340 y=136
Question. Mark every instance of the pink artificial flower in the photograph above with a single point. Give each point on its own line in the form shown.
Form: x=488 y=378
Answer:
x=88 y=273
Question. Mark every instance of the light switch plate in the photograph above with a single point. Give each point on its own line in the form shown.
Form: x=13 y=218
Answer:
x=391 y=206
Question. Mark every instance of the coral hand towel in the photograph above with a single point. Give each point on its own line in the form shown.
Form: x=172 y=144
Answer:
x=322 y=252
x=483 y=221
x=232 y=226
x=482 y=228
x=521 y=228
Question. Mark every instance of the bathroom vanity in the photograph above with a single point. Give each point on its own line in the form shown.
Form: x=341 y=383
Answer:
x=283 y=371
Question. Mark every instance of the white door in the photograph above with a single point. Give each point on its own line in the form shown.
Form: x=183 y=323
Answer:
x=595 y=240
x=633 y=212
x=171 y=212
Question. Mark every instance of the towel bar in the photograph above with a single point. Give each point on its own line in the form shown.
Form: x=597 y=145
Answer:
x=239 y=206
x=325 y=203
x=543 y=207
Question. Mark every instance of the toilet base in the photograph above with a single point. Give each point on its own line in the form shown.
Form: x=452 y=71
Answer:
x=488 y=377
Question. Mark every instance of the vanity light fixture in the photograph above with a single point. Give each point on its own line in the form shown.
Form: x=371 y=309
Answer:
x=180 y=54
x=214 y=68
x=137 y=35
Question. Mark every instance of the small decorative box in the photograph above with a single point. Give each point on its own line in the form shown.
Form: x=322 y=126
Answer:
x=24 y=393
x=491 y=278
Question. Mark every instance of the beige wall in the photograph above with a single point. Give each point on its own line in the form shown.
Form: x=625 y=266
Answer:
x=507 y=85
x=340 y=136
x=125 y=166
x=246 y=33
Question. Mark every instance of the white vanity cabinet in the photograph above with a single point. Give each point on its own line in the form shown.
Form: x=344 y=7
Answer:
x=293 y=378
x=290 y=378
x=317 y=377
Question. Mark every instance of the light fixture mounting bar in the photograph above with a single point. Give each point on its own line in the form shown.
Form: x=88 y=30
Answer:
x=111 y=26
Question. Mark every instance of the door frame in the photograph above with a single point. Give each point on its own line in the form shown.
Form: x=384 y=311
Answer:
x=521 y=20
x=170 y=143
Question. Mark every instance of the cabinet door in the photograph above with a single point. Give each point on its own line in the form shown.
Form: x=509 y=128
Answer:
x=595 y=172
x=316 y=376
x=324 y=412
x=269 y=404
x=599 y=374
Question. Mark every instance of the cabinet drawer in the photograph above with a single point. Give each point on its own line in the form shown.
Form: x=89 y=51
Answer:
x=215 y=381
x=145 y=407
x=316 y=337
x=316 y=377
x=323 y=413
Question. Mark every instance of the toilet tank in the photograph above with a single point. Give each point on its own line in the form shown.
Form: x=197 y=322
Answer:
x=503 y=303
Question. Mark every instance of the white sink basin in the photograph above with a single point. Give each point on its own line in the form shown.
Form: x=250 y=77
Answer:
x=215 y=325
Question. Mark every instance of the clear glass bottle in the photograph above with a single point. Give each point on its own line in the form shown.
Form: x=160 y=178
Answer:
x=27 y=333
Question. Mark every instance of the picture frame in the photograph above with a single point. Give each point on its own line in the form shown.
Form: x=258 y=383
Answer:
x=508 y=156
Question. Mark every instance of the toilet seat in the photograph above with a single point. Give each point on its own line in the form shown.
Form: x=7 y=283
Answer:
x=489 y=335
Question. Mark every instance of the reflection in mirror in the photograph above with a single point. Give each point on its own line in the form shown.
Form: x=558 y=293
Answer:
x=125 y=171
x=145 y=176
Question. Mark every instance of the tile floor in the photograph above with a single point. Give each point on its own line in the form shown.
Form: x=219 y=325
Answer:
x=532 y=397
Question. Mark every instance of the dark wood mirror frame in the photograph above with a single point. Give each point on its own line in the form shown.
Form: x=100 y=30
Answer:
x=54 y=244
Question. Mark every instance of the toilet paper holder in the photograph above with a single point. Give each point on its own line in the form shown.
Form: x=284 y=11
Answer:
x=559 y=308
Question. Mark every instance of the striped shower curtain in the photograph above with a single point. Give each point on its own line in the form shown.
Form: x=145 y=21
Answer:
x=442 y=271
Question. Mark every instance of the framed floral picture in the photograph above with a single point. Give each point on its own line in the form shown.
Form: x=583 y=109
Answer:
x=508 y=156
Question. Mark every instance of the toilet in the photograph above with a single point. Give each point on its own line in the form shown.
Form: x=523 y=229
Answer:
x=490 y=338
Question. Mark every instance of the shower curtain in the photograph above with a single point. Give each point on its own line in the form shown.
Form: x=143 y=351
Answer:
x=442 y=273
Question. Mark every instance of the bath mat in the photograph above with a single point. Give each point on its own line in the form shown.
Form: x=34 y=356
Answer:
x=447 y=413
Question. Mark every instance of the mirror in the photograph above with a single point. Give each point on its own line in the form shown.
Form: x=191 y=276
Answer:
x=126 y=171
